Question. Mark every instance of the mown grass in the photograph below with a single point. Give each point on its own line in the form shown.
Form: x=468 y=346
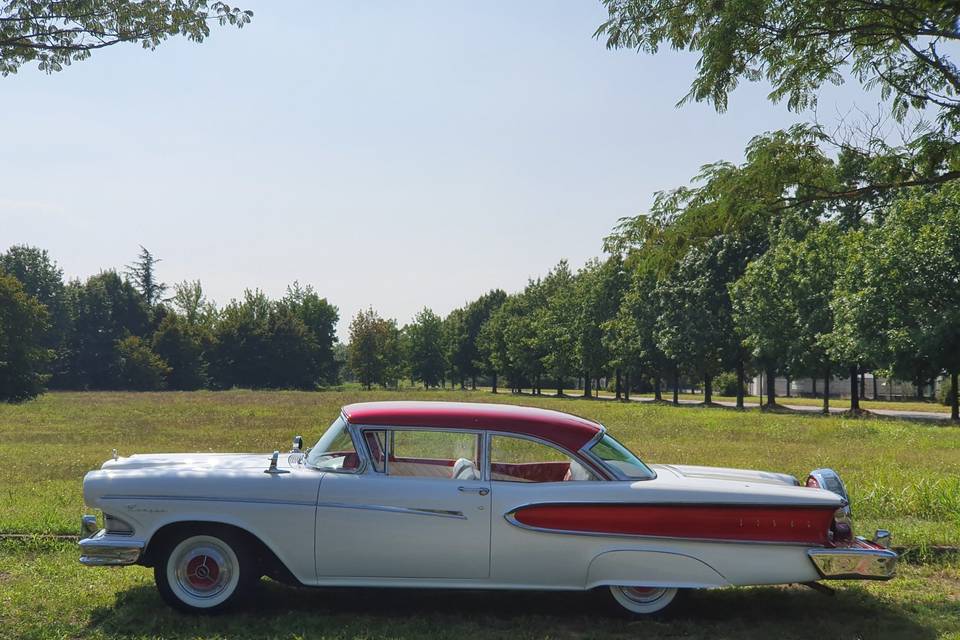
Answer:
x=45 y=594
x=905 y=476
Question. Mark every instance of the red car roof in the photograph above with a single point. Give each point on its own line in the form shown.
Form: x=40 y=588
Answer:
x=563 y=429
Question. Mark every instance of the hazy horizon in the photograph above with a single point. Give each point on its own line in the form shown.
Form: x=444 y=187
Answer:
x=391 y=156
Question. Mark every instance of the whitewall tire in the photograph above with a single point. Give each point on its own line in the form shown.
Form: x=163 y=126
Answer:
x=644 y=601
x=204 y=572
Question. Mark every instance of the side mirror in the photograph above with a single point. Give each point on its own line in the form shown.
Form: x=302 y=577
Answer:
x=297 y=444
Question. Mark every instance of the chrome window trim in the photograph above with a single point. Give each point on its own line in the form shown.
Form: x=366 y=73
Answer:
x=167 y=498
x=361 y=459
x=589 y=462
x=361 y=429
x=616 y=474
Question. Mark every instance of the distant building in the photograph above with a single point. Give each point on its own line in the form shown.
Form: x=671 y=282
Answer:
x=873 y=388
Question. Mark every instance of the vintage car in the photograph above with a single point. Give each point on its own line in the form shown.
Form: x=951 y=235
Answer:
x=464 y=495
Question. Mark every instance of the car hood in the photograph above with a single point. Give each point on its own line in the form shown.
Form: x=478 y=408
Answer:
x=193 y=461
x=726 y=473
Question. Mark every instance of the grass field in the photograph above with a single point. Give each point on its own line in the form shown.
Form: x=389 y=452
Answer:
x=904 y=476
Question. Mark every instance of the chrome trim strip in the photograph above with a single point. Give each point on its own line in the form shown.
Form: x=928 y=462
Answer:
x=296 y=503
x=415 y=511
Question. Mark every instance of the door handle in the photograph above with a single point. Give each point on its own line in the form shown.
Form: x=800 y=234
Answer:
x=481 y=490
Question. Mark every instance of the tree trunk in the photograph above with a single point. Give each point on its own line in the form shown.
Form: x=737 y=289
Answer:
x=626 y=388
x=559 y=387
x=657 y=393
x=854 y=397
x=494 y=382
x=619 y=390
x=789 y=391
x=587 y=393
x=874 y=386
x=771 y=387
x=954 y=403
x=863 y=383
x=473 y=382
x=676 y=385
x=707 y=389
x=740 y=384
x=826 y=391
x=889 y=388
x=814 y=381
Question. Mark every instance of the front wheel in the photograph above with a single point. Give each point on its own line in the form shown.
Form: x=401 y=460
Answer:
x=204 y=572
x=644 y=601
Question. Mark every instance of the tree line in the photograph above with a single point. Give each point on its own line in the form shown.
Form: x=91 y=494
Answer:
x=117 y=331
x=795 y=295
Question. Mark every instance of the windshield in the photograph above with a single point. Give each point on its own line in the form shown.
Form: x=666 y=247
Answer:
x=334 y=451
x=620 y=458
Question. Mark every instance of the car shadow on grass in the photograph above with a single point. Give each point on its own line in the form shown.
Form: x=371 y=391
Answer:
x=284 y=612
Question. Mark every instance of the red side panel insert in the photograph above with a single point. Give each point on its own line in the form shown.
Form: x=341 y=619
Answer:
x=714 y=522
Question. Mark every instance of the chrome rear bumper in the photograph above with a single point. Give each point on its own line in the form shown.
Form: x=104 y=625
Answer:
x=861 y=560
x=103 y=550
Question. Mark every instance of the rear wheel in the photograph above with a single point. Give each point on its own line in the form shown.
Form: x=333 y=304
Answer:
x=644 y=601
x=205 y=572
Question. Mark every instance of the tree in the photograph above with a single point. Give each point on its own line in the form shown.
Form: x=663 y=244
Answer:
x=426 y=358
x=188 y=299
x=139 y=368
x=782 y=303
x=183 y=347
x=599 y=288
x=23 y=357
x=555 y=324
x=899 y=301
x=456 y=347
x=797 y=46
x=695 y=328
x=238 y=354
x=53 y=34
x=320 y=318
x=105 y=309
x=143 y=275
x=374 y=353
x=43 y=279
x=477 y=313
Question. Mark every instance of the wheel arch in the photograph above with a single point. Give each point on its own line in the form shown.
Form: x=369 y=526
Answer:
x=268 y=561
x=651 y=568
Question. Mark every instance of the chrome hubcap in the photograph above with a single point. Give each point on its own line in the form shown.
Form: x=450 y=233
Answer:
x=203 y=571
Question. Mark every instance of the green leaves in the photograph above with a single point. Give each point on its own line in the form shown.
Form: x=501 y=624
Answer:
x=54 y=33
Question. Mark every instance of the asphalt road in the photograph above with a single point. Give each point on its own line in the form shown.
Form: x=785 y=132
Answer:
x=840 y=407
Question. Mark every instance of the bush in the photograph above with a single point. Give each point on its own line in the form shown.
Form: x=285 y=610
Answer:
x=725 y=384
x=140 y=368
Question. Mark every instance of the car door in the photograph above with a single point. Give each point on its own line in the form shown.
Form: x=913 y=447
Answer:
x=421 y=511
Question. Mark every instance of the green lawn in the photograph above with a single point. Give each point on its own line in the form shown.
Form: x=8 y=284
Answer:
x=904 y=476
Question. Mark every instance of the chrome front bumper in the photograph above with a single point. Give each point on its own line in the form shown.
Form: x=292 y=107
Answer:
x=100 y=549
x=861 y=560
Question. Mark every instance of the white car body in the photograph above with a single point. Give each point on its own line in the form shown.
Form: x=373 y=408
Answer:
x=369 y=528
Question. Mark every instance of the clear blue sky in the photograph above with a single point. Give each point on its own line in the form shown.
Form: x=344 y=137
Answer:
x=390 y=154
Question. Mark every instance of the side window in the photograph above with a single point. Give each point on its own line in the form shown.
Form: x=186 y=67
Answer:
x=433 y=454
x=521 y=460
x=376 y=445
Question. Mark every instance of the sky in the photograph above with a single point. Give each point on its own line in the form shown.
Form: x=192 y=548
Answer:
x=390 y=154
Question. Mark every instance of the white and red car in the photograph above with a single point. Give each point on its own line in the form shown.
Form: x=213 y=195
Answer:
x=457 y=495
